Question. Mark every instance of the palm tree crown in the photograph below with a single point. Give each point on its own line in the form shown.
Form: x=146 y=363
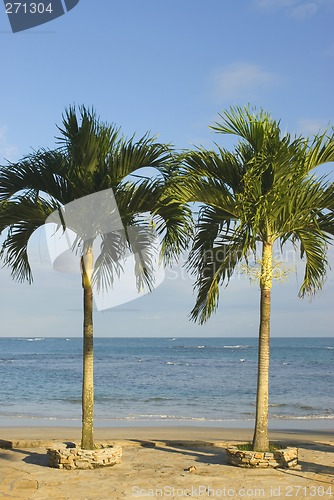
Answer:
x=92 y=157
x=261 y=193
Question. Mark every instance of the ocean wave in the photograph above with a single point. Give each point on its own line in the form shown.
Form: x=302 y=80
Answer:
x=157 y=399
x=237 y=346
x=27 y=339
x=178 y=418
x=212 y=348
x=303 y=417
x=177 y=363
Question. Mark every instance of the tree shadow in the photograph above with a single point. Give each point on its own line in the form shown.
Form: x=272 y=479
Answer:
x=327 y=448
x=40 y=459
x=316 y=468
x=209 y=453
x=7 y=456
x=203 y=452
x=32 y=457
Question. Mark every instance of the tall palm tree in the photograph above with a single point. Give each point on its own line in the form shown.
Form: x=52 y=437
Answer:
x=93 y=157
x=260 y=194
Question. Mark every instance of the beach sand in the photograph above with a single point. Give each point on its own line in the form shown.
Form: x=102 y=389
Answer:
x=156 y=462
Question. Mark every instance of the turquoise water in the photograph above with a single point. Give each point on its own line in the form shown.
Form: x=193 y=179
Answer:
x=164 y=380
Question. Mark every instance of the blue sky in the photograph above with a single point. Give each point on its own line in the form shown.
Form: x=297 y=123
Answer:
x=169 y=68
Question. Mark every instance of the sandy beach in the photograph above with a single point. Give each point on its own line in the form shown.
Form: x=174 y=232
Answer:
x=156 y=462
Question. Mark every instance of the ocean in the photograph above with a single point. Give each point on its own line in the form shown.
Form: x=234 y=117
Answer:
x=164 y=381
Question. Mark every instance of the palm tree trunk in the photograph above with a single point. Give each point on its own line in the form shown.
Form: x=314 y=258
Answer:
x=87 y=441
x=261 y=437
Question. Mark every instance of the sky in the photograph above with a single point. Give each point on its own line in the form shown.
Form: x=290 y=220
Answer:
x=168 y=67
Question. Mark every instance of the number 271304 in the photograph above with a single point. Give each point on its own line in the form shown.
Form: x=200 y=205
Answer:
x=25 y=8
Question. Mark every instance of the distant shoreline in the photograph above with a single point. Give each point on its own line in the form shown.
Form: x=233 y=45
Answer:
x=138 y=337
x=182 y=433
x=275 y=425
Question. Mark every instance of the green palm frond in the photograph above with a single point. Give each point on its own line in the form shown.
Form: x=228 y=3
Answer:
x=86 y=142
x=313 y=246
x=306 y=220
x=215 y=265
x=320 y=151
x=250 y=127
x=173 y=224
x=40 y=172
x=326 y=221
x=129 y=155
x=209 y=164
x=143 y=247
x=219 y=245
x=19 y=220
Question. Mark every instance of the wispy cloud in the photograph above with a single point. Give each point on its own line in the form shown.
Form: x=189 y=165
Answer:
x=297 y=9
x=329 y=51
x=304 y=10
x=7 y=151
x=312 y=126
x=274 y=4
x=242 y=80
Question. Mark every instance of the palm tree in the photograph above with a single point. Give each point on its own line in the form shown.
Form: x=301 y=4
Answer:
x=261 y=194
x=92 y=157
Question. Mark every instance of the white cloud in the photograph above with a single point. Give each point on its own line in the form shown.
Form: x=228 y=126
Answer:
x=304 y=10
x=298 y=9
x=312 y=126
x=242 y=80
x=7 y=151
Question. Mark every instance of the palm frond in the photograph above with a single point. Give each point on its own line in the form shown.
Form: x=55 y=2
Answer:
x=128 y=156
x=219 y=245
x=320 y=151
x=248 y=126
x=21 y=218
x=108 y=265
x=40 y=172
x=313 y=246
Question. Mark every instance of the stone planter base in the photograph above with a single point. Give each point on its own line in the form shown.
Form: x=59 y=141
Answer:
x=62 y=456
x=285 y=458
